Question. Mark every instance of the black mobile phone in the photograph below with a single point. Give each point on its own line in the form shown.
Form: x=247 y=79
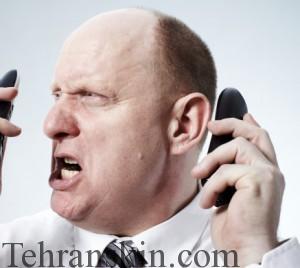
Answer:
x=10 y=79
x=230 y=104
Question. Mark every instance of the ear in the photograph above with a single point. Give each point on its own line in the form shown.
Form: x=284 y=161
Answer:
x=188 y=123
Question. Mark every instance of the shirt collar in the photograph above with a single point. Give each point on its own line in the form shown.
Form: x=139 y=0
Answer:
x=178 y=233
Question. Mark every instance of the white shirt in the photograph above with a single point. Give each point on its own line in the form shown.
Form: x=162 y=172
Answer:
x=185 y=236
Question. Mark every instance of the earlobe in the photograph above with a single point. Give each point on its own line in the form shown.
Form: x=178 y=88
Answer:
x=188 y=123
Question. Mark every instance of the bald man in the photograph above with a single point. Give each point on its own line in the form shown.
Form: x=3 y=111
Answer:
x=134 y=90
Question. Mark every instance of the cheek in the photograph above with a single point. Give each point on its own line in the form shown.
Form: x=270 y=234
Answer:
x=124 y=149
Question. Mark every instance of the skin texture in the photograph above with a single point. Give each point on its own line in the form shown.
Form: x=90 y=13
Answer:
x=138 y=144
x=111 y=116
x=249 y=223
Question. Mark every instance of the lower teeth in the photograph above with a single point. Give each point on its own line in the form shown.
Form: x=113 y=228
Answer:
x=68 y=174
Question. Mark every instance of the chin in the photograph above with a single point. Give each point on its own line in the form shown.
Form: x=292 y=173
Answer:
x=67 y=207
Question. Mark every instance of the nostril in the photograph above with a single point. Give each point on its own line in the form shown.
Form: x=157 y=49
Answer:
x=60 y=136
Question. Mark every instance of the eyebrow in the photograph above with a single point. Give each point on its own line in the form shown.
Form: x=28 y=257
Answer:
x=102 y=89
x=54 y=87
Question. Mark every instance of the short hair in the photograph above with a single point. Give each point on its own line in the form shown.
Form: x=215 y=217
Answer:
x=184 y=58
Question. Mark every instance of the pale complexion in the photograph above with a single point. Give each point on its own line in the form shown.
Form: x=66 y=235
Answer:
x=137 y=145
x=111 y=117
x=249 y=224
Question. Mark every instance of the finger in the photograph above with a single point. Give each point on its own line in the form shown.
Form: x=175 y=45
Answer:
x=226 y=175
x=264 y=140
x=250 y=119
x=242 y=128
x=9 y=129
x=259 y=181
x=8 y=93
x=239 y=151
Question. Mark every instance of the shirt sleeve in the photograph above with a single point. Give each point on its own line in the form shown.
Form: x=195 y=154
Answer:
x=285 y=255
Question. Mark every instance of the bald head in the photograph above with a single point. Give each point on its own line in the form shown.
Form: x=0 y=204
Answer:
x=161 y=43
x=113 y=40
x=129 y=109
x=125 y=29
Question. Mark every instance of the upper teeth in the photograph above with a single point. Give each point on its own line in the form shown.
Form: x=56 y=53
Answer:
x=70 y=161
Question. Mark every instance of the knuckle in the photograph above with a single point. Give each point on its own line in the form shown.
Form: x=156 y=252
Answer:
x=270 y=173
x=260 y=135
x=263 y=133
x=274 y=175
x=255 y=187
x=281 y=180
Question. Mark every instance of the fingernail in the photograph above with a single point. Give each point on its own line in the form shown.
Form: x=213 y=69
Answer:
x=18 y=129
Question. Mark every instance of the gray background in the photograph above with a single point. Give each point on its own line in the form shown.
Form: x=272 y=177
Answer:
x=256 y=47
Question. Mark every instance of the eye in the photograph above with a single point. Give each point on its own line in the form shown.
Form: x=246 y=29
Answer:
x=93 y=98
x=89 y=94
x=56 y=95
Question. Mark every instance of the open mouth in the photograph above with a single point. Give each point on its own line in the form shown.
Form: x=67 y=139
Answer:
x=66 y=168
x=66 y=173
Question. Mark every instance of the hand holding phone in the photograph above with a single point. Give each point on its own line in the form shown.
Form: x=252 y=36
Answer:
x=230 y=104
x=248 y=162
x=8 y=91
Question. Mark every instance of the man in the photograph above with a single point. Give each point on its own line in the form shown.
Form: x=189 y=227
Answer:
x=134 y=91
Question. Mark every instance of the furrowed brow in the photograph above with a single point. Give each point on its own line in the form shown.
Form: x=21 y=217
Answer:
x=54 y=88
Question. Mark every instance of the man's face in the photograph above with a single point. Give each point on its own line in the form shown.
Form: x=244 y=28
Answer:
x=110 y=118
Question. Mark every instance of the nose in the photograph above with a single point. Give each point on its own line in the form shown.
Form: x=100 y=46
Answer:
x=60 y=123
